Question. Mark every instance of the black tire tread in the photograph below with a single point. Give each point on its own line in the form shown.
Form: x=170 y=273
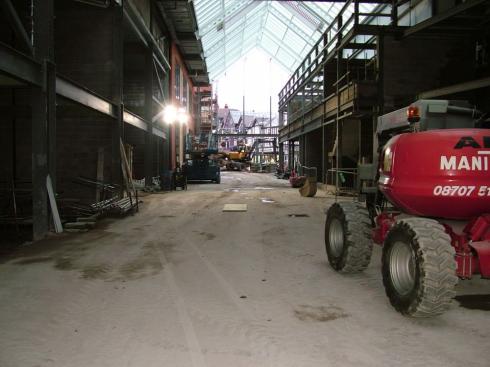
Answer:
x=358 y=243
x=437 y=267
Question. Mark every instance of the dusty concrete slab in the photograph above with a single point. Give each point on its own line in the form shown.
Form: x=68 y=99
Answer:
x=180 y=284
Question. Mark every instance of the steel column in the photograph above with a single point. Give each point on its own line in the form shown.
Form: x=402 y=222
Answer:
x=281 y=156
x=117 y=85
x=166 y=150
x=42 y=104
x=39 y=163
x=149 y=139
x=117 y=135
x=51 y=115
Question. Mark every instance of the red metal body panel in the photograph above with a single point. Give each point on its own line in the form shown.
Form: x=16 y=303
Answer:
x=466 y=258
x=384 y=222
x=439 y=173
x=482 y=248
x=478 y=231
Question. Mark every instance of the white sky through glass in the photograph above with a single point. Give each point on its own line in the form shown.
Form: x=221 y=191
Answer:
x=256 y=76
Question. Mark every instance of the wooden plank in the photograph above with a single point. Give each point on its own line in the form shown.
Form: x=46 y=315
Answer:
x=100 y=172
x=54 y=208
x=133 y=195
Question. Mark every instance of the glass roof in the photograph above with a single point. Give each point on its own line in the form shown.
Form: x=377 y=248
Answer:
x=286 y=30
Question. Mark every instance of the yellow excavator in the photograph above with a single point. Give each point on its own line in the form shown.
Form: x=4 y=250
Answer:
x=237 y=159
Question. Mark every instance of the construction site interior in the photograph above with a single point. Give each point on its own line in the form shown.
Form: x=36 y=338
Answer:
x=150 y=213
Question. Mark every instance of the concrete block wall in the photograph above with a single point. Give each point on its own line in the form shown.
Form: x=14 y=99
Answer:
x=313 y=151
x=420 y=63
x=349 y=142
x=15 y=135
x=367 y=139
x=160 y=156
x=15 y=150
x=6 y=33
x=136 y=138
x=80 y=133
x=84 y=40
x=134 y=92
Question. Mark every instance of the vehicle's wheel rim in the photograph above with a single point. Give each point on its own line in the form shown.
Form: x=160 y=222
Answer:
x=336 y=237
x=402 y=268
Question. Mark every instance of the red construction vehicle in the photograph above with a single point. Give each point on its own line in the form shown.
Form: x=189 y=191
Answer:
x=427 y=202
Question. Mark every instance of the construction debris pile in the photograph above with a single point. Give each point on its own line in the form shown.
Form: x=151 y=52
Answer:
x=111 y=200
x=82 y=217
x=154 y=187
x=263 y=167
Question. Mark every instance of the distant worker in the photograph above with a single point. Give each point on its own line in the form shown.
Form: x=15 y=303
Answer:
x=179 y=177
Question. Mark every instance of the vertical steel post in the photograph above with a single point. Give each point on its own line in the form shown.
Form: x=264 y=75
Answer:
x=117 y=86
x=243 y=115
x=149 y=138
x=337 y=126
x=380 y=86
x=394 y=12
x=40 y=99
x=51 y=115
x=324 y=96
x=39 y=163
x=281 y=155
x=356 y=12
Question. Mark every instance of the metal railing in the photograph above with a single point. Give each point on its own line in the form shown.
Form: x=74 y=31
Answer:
x=332 y=39
x=344 y=180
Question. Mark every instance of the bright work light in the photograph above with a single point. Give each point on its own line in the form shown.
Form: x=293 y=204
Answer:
x=169 y=114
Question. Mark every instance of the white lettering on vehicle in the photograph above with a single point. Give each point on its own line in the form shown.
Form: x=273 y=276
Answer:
x=464 y=163
x=458 y=190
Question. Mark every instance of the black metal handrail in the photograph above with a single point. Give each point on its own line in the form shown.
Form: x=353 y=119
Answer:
x=322 y=49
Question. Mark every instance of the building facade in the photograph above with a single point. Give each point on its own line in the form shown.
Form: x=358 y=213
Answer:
x=77 y=79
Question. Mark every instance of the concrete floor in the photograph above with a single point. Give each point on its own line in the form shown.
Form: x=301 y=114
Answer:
x=184 y=284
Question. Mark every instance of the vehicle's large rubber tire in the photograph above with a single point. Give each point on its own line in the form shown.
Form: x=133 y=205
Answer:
x=218 y=179
x=347 y=237
x=419 y=269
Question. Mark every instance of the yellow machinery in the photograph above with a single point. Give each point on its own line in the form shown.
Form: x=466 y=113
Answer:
x=238 y=159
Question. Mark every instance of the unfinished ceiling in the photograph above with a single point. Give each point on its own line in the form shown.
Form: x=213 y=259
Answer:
x=285 y=30
x=180 y=19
